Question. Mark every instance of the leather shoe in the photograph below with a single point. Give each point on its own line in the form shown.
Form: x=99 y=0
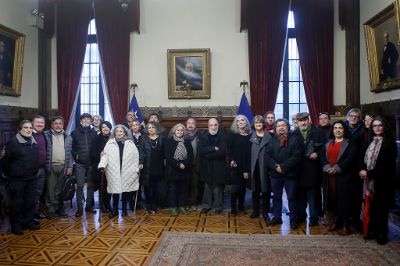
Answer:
x=382 y=240
x=312 y=224
x=124 y=213
x=90 y=210
x=344 y=231
x=17 y=231
x=79 y=213
x=275 y=221
x=294 y=225
x=62 y=213
x=205 y=210
x=31 y=226
x=254 y=215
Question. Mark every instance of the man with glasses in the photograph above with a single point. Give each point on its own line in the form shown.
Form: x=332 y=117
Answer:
x=357 y=129
x=324 y=124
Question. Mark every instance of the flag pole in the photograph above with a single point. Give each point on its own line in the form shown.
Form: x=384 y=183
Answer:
x=132 y=87
x=244 y=84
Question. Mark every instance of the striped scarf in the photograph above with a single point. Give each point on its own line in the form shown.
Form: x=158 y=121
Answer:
x=180 y=152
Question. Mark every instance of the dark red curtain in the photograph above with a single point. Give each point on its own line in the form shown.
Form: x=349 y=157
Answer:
x=72 y=25
x=113 y=36
x=314 y=33
x=267 y=28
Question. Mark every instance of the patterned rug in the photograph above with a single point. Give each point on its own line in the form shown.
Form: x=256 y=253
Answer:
x=235 y=249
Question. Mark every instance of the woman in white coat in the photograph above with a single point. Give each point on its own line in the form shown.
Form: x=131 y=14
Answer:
x=120 y=162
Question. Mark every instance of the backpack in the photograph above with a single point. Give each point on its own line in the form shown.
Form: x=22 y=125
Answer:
x=68 y=190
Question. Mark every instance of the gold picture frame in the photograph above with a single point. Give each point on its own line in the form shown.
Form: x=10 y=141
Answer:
x=11 y=61
x=383 y=59
x=189 y=74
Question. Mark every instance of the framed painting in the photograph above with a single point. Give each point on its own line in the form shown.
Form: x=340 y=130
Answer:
x=383 y=46
x=189 y=74
x=11 y=61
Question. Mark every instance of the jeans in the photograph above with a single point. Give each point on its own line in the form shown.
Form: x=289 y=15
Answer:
x=80 y=172
x=290 y=184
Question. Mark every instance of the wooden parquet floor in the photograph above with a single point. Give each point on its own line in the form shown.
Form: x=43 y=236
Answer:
x=121 y=241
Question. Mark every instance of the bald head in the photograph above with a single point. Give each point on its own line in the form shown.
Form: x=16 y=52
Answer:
x=213 y=126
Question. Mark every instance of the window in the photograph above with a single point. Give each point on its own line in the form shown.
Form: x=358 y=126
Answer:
x=92 y=98
x=291 y=97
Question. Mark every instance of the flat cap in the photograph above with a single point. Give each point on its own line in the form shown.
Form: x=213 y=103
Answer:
x=302 y=116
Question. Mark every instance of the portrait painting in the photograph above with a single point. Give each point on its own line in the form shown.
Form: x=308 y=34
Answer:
x=383 y=47
x=11 y=59
x=189 y=73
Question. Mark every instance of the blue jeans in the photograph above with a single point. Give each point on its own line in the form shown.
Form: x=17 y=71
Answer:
x=290 y=184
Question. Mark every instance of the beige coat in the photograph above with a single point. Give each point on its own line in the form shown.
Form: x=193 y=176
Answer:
x=119 y=179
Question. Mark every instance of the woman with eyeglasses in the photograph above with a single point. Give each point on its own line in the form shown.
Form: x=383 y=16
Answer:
x=338 y=158
x=179 y=157
x=379 y=173
x=154 y=169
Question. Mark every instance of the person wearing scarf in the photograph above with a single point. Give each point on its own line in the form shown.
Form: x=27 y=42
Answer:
x=283 y=155
x=120 y=162
x=378 y=169
x=179 y=157
x=20 y=165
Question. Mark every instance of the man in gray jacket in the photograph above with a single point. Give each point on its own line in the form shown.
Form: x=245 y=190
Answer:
x=58 y=164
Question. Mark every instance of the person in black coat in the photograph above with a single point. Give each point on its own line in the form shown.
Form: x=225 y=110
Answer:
x=99 y=142
x=82 y=138
x=283 y=155
x=260 y=182
x=239 y=161
x=143 y=145
x=155 y=188
x=338 y=158
x=389 y=59
x=20 y=166
x=212 y=152
x=379 y=172
x=179 y=157
x=310 y=170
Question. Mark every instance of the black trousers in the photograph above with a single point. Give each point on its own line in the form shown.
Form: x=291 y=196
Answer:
x=258 y=195
x=178 y=194
x=22 y=202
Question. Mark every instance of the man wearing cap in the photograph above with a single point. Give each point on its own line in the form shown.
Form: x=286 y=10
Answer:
x=82 y=138
x=310 y=170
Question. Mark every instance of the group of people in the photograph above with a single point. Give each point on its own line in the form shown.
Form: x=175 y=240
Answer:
x=328 y=168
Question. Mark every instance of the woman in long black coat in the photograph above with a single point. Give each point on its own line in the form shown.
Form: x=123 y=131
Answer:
x=260 y=183
x=179 y=157
x=338 y=158
x=379 y=171
x=98 y=144
x=239 y=161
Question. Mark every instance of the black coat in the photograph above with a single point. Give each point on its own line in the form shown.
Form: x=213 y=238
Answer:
x=144 y=148
x=21 y=158
x=384 y=174
x=98 y=144
x=81 y=145
x=258 y=159
x=174 y=173
x=288 y=157
x=310 y=171
x=346 y=162
x=212 y=162
x=239 y=150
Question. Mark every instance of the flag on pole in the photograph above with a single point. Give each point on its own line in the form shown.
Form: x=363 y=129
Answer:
x=134 y=107
x=245 y=109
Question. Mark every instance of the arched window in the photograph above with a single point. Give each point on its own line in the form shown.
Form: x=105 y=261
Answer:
x=291 y=97
x=91 y=98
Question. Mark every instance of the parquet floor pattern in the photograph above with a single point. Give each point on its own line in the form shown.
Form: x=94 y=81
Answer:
x=121 y=241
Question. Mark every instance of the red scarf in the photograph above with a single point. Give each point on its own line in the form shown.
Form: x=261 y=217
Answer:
x=283 y=140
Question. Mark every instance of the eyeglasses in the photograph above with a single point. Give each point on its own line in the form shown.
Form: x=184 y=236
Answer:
x=150 y=127
x=354 y=116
